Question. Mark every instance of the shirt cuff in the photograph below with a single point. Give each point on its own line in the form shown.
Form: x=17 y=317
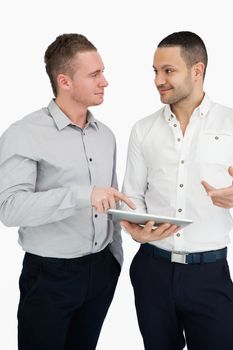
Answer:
x=82 y=196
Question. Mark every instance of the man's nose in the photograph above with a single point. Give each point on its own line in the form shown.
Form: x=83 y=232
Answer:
x=103 y=81
x=159 y=79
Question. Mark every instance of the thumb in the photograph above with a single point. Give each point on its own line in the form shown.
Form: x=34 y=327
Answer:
x=230 y=170
x=125 y=225
x=207 y=186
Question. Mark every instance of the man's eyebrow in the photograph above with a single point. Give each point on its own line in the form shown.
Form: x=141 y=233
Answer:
x=96 y=71
x=165 y=66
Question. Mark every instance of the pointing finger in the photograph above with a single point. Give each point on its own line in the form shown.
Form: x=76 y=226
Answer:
x=124 y=198
x=230 y=170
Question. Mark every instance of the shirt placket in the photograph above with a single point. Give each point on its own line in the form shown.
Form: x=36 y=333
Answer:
x=183 y=144
x=96 y=217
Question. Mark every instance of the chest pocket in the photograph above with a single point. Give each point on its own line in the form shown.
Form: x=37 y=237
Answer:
x=216 y=147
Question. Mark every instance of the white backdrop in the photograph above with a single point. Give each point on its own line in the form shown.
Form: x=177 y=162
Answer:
x=126 y=33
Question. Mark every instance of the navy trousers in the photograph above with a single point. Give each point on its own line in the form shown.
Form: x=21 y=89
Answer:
x=178 y=304
x=63 y=302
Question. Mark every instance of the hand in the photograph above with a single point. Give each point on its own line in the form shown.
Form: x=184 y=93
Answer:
x=104 y=198
x=222 y=197
x=147 y=233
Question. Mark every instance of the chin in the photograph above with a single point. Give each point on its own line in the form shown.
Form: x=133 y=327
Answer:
x=97 y=103
x=164 y=100
x=101 y=100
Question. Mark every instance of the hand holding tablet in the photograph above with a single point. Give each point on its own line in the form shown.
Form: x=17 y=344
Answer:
x=145 y=228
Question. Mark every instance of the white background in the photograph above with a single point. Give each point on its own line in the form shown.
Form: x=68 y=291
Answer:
x=126 y=34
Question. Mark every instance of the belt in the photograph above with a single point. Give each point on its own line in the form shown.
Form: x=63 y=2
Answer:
x=186 y=258
x=94 y=257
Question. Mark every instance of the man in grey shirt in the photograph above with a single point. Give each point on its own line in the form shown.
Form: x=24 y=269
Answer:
x=57 y=180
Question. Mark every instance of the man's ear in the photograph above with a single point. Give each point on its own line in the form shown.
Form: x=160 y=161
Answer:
x=63 y=82
x=199 y=69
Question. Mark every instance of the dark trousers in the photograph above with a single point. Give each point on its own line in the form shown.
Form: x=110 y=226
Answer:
x=63 y=302
x=177 y=303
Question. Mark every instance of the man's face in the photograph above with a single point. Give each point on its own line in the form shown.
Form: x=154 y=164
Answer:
x=173 y=78
x=88 y=81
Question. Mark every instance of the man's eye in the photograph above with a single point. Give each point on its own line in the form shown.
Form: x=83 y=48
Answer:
x=168 y=71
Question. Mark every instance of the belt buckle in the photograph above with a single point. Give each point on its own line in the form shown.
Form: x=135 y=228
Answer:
x=179 y=257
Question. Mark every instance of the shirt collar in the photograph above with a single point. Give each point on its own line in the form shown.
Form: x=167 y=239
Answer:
x=202 y=110
x=61 y=120
x=204 y=107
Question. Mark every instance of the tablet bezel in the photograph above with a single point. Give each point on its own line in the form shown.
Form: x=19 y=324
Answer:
x=143 y=218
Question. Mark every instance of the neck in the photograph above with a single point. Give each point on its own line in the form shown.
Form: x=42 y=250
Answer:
x=183 y=109
x=76 y=112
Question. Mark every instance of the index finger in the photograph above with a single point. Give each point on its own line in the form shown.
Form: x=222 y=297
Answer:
x=150 y=226
x=124 y=199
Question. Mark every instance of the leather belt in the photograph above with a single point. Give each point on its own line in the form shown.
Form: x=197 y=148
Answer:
x=187 y=258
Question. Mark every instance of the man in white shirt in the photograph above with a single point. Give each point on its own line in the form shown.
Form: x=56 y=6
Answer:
x=179 y=164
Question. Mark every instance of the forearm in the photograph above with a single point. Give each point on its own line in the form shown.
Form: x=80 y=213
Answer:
x=135 y=179
x=24 y=208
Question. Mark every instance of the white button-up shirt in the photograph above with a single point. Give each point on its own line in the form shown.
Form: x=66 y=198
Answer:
x=165 y=169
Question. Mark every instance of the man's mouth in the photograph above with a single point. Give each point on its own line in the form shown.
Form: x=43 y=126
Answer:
x=163 y=91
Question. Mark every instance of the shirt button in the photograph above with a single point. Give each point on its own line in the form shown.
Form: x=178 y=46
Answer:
x=182 y=161
x=90 y=159
x=175 y=125
x=178 y=139
x=181 y=185
x=178 y=234
x=96 y=215
x=216 y=137
x=180 y=210
x=95 y=243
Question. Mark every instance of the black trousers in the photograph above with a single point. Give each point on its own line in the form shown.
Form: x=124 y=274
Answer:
x=179 y=303
x=63 y=302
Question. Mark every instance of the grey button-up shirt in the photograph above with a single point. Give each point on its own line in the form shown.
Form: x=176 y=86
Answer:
x=48 y=167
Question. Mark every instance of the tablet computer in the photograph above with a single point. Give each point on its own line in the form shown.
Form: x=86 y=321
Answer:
x=143 y=218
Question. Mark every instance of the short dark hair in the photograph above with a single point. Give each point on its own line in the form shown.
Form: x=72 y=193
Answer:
x=59 y=54
x=193 y=49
